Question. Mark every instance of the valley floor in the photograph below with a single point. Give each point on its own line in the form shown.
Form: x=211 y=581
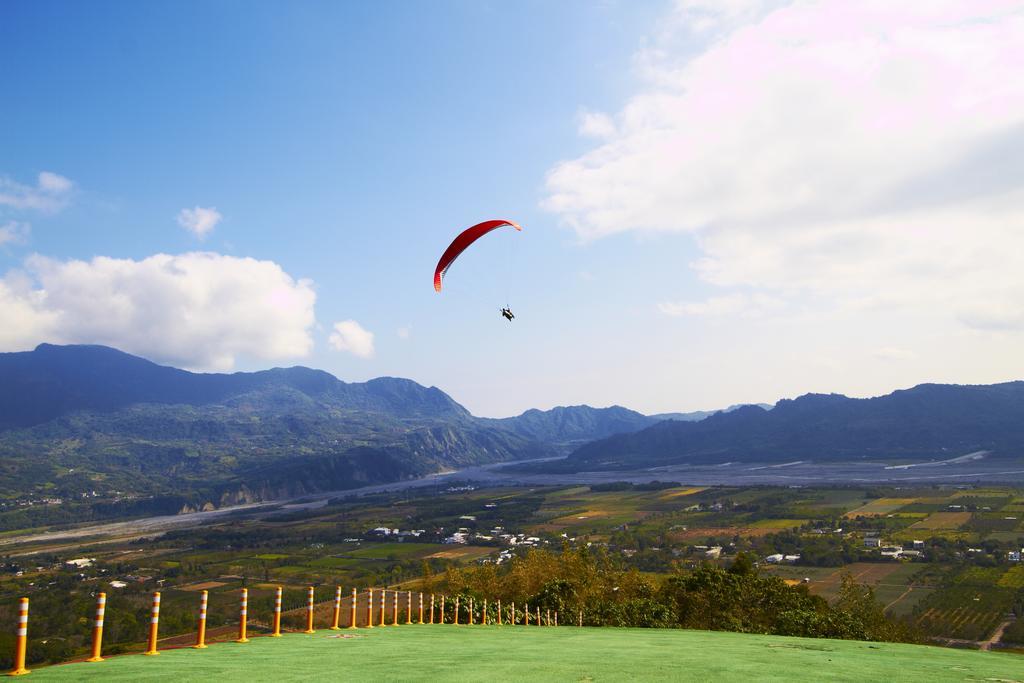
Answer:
x=475 y=653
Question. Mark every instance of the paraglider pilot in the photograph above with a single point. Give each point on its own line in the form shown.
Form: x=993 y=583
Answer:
x=507 y=313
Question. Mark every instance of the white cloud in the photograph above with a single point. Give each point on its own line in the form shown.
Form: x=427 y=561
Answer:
x=199 y=221
x=350 y=336
x=869 y=154
x=197 y=310
x=14 y=232
x=50 y=194
x=596 y=125
x=892 y=353
x=731 y=304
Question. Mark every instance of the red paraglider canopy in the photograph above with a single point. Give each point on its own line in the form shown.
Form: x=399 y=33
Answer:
x=460 y=243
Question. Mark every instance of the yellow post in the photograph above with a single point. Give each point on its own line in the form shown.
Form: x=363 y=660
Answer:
x=538 y=617
x=383 y=606
x=408 y=607
x=201 y=633
x=580 y=622
x=337 y=610
x=421 y=608
x=431 y=608
x=352 y=617
x=441 y=616
x=483 y=616
x=21 y=644
x=456 y=619
x=154 y=625
x=471 y=611
x=512 y=617
x=243 y=616
x=526 y=614
x=556 y=617
x=277 y=613
x=394 y=608
x=309 y=612
x=97 y=629
x=547 y=618
x=369 y=608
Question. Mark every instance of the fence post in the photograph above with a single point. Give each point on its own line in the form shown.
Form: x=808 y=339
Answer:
x=383 y=606
x=526 y=614
x=243 y=616
x=394 y=608
x=337 y=609
x=277 y=613
x=580 y=622
x=369 y=608
x=97 y=629
x=499 y=611
x=470 y=611
x=201 y=632
x=352 y=617
x=421 y=607
x=440 y=619
x=21 y=644
x=483 y=615
x=556 y=617
x=309 y=611
x=431 y=608
x=456 y=620
x=154 y=625
x=547 y=618
x=512 y=617
x=408 y=607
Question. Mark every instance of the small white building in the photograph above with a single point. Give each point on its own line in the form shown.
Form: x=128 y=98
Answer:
x=774 y=559
x=872 y=542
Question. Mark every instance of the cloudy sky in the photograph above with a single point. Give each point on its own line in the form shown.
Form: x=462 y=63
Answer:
x=722 y=202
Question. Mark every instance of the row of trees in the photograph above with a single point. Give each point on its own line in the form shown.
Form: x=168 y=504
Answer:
x=735 y=599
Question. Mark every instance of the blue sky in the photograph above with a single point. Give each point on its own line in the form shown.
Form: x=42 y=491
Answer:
x=682 y=248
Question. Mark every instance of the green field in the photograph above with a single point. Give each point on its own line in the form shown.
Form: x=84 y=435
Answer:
x=547 y=654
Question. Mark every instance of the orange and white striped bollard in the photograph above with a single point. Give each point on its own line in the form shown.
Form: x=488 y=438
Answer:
x=383 y=606
x=526 y=614
x=204 y=598
x=369 y=608
x=431 y=608
x=309 y=611
x=352 y=616
x=243 y=616
x=556 y=617
x=441 y=615
x=483 y=615
x=337 y=610
x=21 y=642
x=408 y=607
x=456 y=616
x=499 y=612
x=471 y=615
x=538 y=617
x=97 y=629
x=394 y=608
x=154 y=625
x=277 y=613
x=512 y=616
x=421 y=608
x=547 y=618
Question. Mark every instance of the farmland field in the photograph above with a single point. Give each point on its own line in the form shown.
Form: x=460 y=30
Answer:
x=942 y=520
x=880 y=506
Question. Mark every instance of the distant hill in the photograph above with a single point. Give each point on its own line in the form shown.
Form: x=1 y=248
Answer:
x=79 y=423
x=566 y=424
x=699 y=415
x=929 y=421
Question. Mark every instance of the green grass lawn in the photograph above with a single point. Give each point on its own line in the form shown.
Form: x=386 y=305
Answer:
x=485 y=654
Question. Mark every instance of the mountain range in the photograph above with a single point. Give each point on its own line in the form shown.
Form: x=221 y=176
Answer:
x=928 y=421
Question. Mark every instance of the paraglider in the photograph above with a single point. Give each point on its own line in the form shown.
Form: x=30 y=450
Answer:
x=507 y=313
x=460 y=244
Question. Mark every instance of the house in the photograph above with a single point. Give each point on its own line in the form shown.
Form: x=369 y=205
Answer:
x=81 y=562
x=774 y=559
x=918 y=545
x=714 y=552
x=1014 y=556
x=872 y=542
x=791 y=558
x=891 y=551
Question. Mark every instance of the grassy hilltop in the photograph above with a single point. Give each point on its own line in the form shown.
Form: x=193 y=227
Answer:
x=474 y=653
